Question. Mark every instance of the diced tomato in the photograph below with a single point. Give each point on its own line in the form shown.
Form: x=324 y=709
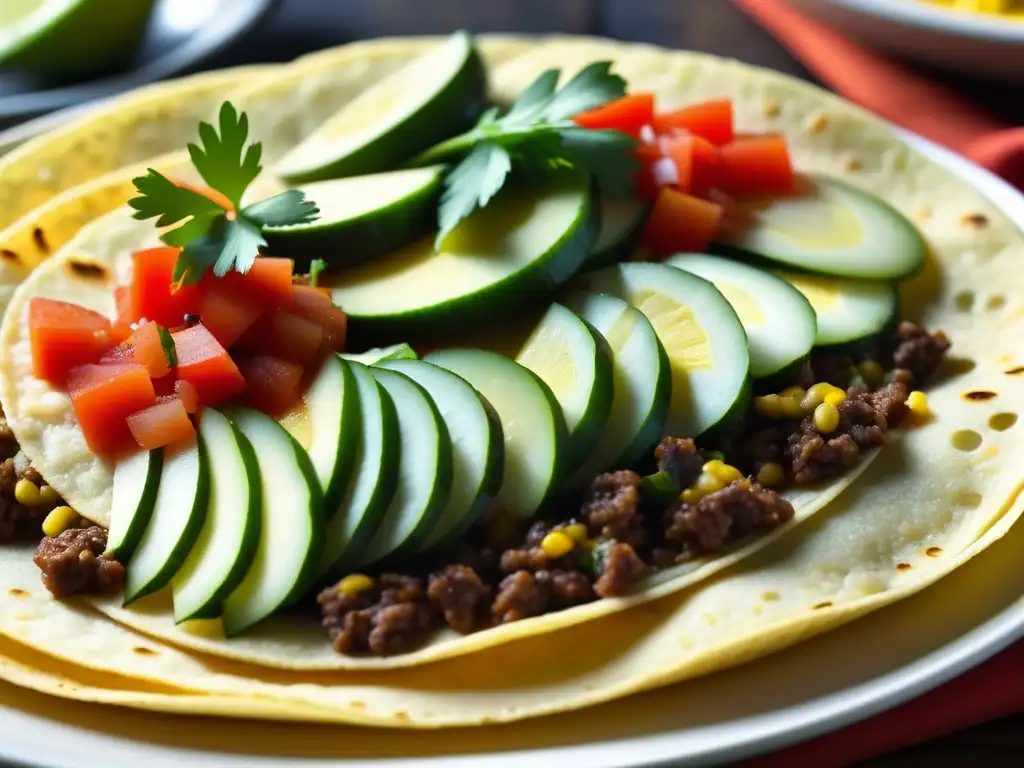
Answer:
x=226 y=311
x=103 y=397
x=643 y=177
x=189 y=396
x=153 y=295
x=205 y=364
x=628 y=114
x=287 y=336
x=272 y=385
x=149 y=351
x=123 y=303
x=758 y=165
x=681 y=222
x=711 y=120
x=164 y=387
x=162 y=424
x=269 y=279
x=208 y=192
x=696 y=162
x=65 y=335
x=313 y=304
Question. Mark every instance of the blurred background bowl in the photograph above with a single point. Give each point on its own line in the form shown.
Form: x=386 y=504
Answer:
x=181 y=36
x=951 y=40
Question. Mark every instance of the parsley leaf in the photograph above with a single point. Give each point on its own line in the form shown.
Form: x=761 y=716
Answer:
x=208 y=235
x=535 y=138
x=316 y=266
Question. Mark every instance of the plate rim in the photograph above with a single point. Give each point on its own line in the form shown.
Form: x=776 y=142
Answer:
x=936 y=19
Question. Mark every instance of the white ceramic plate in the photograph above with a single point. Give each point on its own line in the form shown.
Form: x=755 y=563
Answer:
x=987 y=45
x=852 y=673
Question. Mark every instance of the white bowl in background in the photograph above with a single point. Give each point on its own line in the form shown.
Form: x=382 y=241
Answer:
x=965 y=42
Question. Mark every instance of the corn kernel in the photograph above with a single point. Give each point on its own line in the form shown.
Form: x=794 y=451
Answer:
x=354 y=583
x=726 y=473
x=835 y=397
x=577 y=532
x=691 y=496
x=791 y=408
x=713 y=467
x=707 y=483
x=826 y=418
x=871 y=372
x=815 y=396
x=26 y=493
x=794 y=391
x=769 y=406
x=48 y=496
x=770 y=474
x=59 y=520
x=917 y=402
x=557 y=544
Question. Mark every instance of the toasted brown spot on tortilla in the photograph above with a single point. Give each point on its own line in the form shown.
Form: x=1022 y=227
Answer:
x=975 y=220
x=143 y=650
x=357 y=705
x=818 y=124
x=966 y=440
x=772 y=108
x=18 y=593
x=403 y=717
x=924 y=212
x=39 y=238
x=933 y=551
x=87 y=270
x=854 y=164
x=819 y=606
x=996 y=302
x=1001 y=422
x=8 y=255
x=903 y=566
x=979 y=395
x=770 y=597
x=964 y=301
x=1014 y=371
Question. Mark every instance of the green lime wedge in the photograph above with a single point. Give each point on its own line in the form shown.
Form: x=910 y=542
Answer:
x=68 y=40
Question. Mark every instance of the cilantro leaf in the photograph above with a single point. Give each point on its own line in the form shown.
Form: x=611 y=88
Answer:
x=534 y=99
x=316 y=266
x=592 y=87
x=167 y=202
x=289 y=207
x=470 y=185
x=200 y=254
x=220 y=160
x=242 y=243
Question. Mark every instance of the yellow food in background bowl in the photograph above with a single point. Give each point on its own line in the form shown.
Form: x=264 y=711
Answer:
x=999 y=7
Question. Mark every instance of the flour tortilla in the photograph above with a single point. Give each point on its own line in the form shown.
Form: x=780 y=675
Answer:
x=914 y=515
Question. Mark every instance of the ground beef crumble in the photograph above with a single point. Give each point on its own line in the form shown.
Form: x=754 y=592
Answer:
x=610 y=508
x=73 y=563
x=918 y=351
x=461 y=596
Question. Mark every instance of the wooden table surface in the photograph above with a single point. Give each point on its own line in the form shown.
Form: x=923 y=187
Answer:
x=713 y=26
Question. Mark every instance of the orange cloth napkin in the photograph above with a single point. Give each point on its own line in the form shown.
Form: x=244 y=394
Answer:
x=901 y=95
x=893 y=91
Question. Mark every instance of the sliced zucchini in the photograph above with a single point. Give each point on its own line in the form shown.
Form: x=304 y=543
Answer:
x=362 y=217
x=438 y=95
x=372 y=485
x=850 y=313
x=621 y=223
x=380 y=354
x=833 y=228
x=532 y=426
x=701 y=334
x=642 y=384
x=424 y=472
x=178 y=514
x=572 y=359
x=291 y=524
x=478 y=449
x=779 y=321
x=136 y=479
x=332 y=407
x=522 y=244
x=227 y=541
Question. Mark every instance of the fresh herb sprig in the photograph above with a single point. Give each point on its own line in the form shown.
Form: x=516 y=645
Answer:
x=212 y=235
x=537 y=137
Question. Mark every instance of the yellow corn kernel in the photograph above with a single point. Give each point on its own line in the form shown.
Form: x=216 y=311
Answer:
x=26 y=493
x=791 y=408
x=577 y=532
x=815 y=396
x=708 y=483
x=871 y=372
x=48 y=496
x=917 y=402
x=826 y=418
x=794 y=391
x=770 y=474
x=557 y=544
x=691 y=496
x=354 y=583
x=59 y=520
x=726 y=473
x=835 y=397
x=769 y=406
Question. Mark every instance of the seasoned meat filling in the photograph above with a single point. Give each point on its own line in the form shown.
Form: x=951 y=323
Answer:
x=679 y=459
x=391 y=616
x=73 y=563
x=460 y=595
x=611 y=506
x=918 y=351
x=620 y=568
